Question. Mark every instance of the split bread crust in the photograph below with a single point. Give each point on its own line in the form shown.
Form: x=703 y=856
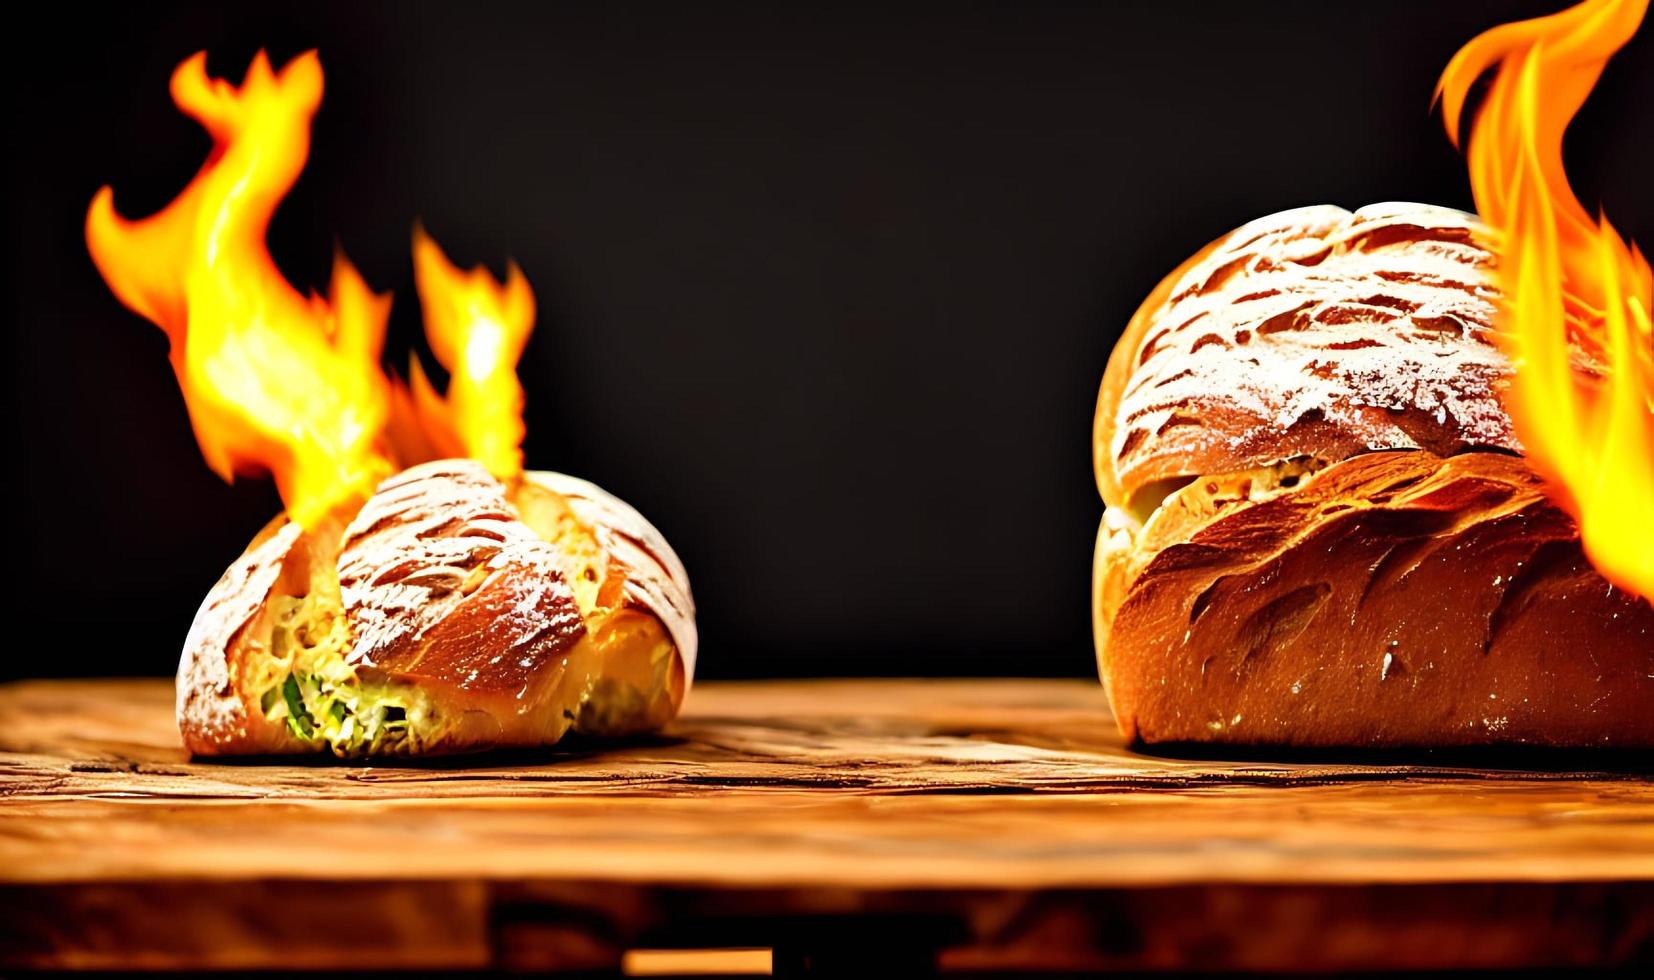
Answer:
x=451 y=613
x=1319 y=529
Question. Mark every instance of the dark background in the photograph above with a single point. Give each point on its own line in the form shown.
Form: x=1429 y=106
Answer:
x=825 y=291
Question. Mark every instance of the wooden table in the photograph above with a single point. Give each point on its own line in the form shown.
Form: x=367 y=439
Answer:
x=846 y=825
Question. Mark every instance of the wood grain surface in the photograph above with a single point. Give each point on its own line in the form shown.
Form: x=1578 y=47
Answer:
x=969 y=824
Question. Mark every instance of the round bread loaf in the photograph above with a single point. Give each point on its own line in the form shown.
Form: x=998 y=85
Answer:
x=452 y=613
x=1319 y=531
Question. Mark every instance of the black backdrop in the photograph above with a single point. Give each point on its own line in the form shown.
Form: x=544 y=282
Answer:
x=825 y=291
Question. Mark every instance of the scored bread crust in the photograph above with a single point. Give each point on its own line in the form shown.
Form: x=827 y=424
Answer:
x=1314 y=332
x=1394 y=599
x=215 y=714
x=444 y=587
x=1319 y=530
x=443 y=583
x=656 y=579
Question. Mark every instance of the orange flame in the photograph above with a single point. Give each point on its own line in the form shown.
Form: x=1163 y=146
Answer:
x=477 y=328
x=1575 y=313
x=291 y=384
x=273 y=380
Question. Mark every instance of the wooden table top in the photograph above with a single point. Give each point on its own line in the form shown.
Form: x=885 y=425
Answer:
x=966 y=824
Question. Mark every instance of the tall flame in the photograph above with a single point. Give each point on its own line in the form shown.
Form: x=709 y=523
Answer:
x=272 y=379
x=1577 y=296
x=477 y=328
x=288 y=383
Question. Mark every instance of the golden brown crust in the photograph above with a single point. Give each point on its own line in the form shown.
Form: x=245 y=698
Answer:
x=216 y=715
x=1314 y=332
x=1118 y=372
x=445 y=587
x=1392 y=599
x=653 y=577
x=1303 y=586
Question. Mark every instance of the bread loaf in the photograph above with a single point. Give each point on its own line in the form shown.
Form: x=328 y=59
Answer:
x=1319 y=529
x=451 y=613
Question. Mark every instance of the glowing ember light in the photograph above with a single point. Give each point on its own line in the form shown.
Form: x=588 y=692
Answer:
x=477 y=327
x=1575 y=314
x=273 y=380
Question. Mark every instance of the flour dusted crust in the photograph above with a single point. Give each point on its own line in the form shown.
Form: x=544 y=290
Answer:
x=1319 y=529
x=442 y=581
x=215 y=714
x=1316 y=332
x=445 y=588
x=656 y=579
